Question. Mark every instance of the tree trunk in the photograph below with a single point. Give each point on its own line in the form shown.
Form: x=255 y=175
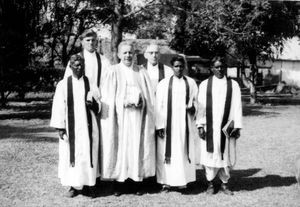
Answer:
x=248 y=83
x=116 y=38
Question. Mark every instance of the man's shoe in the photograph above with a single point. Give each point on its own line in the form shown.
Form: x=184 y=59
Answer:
x=185 y=191
x=165 y=189
x=224 y=188
x=210 y=189
x=93 y=192
x=117 y=193
x=139 y=192
x=72 y=193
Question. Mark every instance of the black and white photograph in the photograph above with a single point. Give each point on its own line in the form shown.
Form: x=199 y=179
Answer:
x=149 y=103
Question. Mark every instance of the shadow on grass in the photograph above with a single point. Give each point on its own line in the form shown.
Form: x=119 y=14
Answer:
x=254 y=183
x=40 y=133
x=35 y=110
x=256 y=110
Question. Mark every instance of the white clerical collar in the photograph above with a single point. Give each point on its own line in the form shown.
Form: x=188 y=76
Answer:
x=86 y=52
x=181 y=78
x=152 y=66
x=74 y=78
x=219 y=79
x=125 y=66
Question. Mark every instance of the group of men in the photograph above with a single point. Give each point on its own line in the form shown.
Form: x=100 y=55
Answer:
x=134 y=122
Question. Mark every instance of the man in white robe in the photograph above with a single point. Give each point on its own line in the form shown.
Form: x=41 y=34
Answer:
x=219 y=102
x=75 y=103
x=176 y=98
x=156 y=70
x=128 y=122
x=96 y=65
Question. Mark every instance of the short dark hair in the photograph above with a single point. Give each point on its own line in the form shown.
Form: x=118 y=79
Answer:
x=177 y=58
x=75 y=58
x=220 y=59
x=88 y=33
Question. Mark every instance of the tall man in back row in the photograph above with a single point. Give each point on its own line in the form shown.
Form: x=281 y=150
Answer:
x=156 y=70
x=96 y=65
x=219 y=102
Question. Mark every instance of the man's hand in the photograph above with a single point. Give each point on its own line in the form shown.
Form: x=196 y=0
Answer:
x=191 y=109
x=93 y=105
x=235 y=133
x=61 y=133
x=160 y=133
x=202 y=133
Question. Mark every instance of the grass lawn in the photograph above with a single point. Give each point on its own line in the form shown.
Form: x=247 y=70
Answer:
x=263 y=175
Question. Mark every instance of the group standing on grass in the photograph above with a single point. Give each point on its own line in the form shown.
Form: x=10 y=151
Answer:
x=129 y=122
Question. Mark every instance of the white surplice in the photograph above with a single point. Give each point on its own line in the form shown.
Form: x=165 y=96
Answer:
x=153 y=72
x=82 y=173
x=219 y=90
x=179 y=172
x=91 y=67
x=128 y=145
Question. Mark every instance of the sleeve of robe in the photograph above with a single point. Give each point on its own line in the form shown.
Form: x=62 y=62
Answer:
x=105 y=69
x=236 y=113
x=58 y=114
x=201 y=110
x=68 y=71
x=193 y=96
x=96 y=95
x=109 y=125
x=160 y=115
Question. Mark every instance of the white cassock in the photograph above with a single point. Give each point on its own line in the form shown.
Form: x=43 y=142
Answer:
x=179 y=172
x=82 y=173
x=91 y=67
x=154 y=74
x=219 y=89
x=128 y=143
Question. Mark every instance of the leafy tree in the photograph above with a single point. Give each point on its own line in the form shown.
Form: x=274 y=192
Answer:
x=17 y=32
x=123 y=16
x=242 y=29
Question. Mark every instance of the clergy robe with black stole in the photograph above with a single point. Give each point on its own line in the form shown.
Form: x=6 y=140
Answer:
x=77 y=166
x=211 y=154
x=178 y=167
x=128 y=146
x=157 y=73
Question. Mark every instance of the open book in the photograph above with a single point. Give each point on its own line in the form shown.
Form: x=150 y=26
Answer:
x=228 y=128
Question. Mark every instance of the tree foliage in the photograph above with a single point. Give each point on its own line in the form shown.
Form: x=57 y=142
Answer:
x=243 y=29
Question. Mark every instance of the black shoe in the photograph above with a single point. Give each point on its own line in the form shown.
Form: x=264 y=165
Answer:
x=93 y=192
x=165 y=189
x=224 y=188
x=118 y=188
x=210 y=189
x=139 y=189
x=139 y=192
x=72 y=193
x=184 y=191
x=117 y=193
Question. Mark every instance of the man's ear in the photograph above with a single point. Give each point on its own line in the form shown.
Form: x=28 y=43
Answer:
x=146 y=55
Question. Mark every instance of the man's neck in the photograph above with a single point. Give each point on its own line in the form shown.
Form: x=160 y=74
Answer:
x=153 y=64
x=90 y=52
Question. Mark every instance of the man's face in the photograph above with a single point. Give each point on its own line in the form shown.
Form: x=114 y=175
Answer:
x=126 y=55
x=152 y=54
x=218 y=69
x=178 y=68
x=89 y=43
x=77 y=68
